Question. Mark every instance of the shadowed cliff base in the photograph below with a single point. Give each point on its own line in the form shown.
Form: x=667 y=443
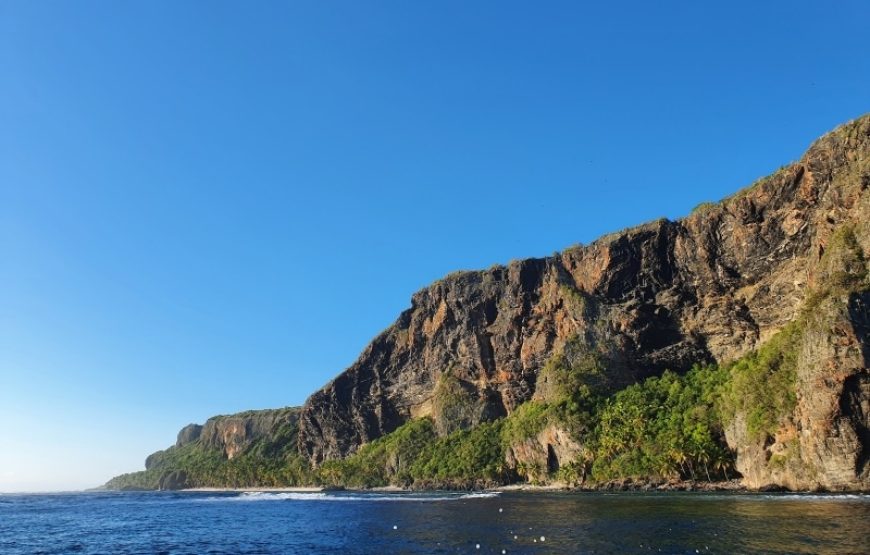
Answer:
x=731 y=342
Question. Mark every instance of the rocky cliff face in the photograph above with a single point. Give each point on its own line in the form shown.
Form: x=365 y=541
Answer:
x=668 y=294
x=539 y=457
x=825 y=443
x=233 y=434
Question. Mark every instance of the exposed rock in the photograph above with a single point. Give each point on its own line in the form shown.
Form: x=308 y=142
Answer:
x=266 y=434
x=188 y=434
x=234 y=433
x=539 y=457
x=152 y=460
x=667 y=294
x=825 y=444
x=175 y=480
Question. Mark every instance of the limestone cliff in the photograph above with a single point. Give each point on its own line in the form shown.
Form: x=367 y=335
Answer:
x=234 y=433
x=240 y=449
x=707 y=288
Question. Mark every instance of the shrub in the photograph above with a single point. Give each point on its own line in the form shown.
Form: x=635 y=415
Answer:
x=762 y=383
x=527 y=421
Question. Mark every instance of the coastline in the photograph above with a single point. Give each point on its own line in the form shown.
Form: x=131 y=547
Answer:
x=259 y=489
x=616 y=486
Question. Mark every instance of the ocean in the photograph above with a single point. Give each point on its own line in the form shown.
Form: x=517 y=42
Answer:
x=386 y=523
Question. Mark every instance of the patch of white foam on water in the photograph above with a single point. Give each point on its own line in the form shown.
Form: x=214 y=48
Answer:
x=345 y=496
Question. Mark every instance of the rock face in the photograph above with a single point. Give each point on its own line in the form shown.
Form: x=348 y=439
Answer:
x=188 y=434
x=539 y=457
x=825 y=444
x=234 y=433
x=174 y=480
x=231 y=435
x=203 y=454
x=665 y=295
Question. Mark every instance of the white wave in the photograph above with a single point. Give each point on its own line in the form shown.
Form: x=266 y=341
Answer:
x=819 y=496
x=343 y=496
x=480 y=495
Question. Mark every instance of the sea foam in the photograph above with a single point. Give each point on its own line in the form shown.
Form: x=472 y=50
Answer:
x=345 y=496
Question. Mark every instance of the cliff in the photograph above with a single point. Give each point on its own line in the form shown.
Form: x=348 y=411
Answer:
x=764 y=294
x=248 y=448
x=666 y=295
x=823 y=442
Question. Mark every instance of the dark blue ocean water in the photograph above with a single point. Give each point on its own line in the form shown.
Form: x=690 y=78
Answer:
x=213 y=523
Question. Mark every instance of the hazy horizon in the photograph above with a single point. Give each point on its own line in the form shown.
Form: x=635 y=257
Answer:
x=209 y=208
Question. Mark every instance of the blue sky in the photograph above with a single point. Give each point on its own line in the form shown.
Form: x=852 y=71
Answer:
x=207 y=207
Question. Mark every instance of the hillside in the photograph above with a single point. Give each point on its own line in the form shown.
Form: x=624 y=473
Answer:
x=731 y=342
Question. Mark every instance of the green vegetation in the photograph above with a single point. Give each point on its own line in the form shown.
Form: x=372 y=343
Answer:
x=843 y=267
x=575 y=376
x=467 y=458
x=703 y=208
x=665 y=427
x=574 y=300
x=203 y=467
x=414 y=455
x=387 y=460
x=762 y=383
x=268 y=462
x=527 y=421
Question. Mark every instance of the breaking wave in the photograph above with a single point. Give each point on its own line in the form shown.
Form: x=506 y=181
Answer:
x=346 y=496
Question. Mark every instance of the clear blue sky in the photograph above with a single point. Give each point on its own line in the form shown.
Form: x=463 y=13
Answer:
x=207 y=207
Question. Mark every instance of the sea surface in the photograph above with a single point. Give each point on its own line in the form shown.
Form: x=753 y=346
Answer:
x=381 y=523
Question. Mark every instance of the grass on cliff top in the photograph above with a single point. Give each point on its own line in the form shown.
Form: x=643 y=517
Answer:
x=703 y=208
x=284 y=411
